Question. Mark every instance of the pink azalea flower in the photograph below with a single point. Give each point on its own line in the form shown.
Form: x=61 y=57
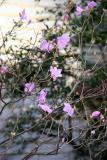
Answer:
x=3 y=69
x=42 y=96
x=68 y=109
x=90 y=5
x=23 y=16
x=29 y=87
x=95 y=114
x=46 y=46
x=79 y=10
x=46 y=107
x=63 y=41
x=55 y=73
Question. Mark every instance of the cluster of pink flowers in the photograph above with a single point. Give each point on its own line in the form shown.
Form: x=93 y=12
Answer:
x=30 y=87
x=90 y=6
x=4 y=69
x=47 y=108
x=47 y=46
x=61 y=41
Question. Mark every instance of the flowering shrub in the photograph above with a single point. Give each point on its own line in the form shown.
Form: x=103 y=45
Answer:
x=40 y=72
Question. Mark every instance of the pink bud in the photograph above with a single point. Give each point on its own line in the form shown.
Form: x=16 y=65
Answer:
x=95 y=114
x=66 y=17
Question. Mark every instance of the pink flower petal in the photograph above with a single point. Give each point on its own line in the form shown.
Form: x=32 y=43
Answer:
x=42 y=96
x=95 y=114
x=68 y=109
x=23 y=16
x=46 y=108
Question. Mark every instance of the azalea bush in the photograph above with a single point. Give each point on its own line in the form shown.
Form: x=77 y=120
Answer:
x=40 y=72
